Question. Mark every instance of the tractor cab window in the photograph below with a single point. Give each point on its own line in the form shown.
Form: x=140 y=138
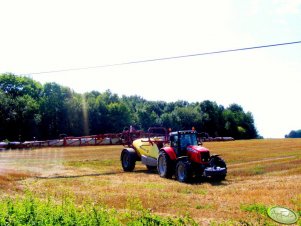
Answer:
x=187 y=140
x=174 y=141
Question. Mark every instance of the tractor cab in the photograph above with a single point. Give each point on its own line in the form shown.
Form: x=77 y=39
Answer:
x=180 y=140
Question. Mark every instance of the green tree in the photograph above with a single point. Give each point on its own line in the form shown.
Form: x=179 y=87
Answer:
x=294 y=134
x=147 y=119
x=186 y=118
x=239 y=124
x=98 y=114
x=54 y=110
x=18 y=86
x=147 y=116
x=19 y=107
x=108 y=97
x=212 y=120
x=169 y=120
x=77 y=123
x=118 y=116
x=29 y=109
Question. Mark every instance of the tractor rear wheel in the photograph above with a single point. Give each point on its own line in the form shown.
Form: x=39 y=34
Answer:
x=183 y=171
x=165 y=166
x=128 y=160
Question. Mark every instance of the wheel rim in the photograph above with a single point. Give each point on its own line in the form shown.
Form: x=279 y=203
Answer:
x=125 y=160
x=181 y=172
x=162 y=165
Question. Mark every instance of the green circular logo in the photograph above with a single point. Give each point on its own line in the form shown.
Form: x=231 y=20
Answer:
x=282 y=215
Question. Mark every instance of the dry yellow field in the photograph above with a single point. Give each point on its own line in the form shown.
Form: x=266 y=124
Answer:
x=260 y=173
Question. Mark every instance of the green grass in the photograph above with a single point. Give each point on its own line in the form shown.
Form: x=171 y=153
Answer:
x=255 y=208
x=93 y=164
x=257 y=170
x=192 y=191
x=260 y=214
x=206 y=207
x=33 y=211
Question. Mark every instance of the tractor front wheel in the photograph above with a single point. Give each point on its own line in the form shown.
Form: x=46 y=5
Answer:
x=183 y=172
x=219 y=178
x=128 y=160
x=218 y=162
x=164 y=166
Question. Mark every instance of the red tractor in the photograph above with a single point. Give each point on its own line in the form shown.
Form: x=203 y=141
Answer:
x=176 y=154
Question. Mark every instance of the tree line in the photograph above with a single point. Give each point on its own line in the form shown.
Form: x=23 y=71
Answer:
x=294 y=134
x=30 y=110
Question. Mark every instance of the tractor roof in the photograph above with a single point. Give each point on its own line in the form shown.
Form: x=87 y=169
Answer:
x=182 y=132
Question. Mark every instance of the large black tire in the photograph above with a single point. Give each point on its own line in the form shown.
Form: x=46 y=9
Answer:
x=219 y=178
x=128 y=160
x=216 y=161
x=165 y=166
x=183 y=171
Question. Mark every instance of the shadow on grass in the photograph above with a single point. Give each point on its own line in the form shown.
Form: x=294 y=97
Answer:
x=78 y=176
x=193 y=181
x=91 y=174
x=211 y=181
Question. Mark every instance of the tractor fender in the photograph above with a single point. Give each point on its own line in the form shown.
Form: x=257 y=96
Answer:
x=170 y=152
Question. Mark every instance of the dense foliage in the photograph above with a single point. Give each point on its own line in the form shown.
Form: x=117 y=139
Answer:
x=294 y=134
x=30 y=110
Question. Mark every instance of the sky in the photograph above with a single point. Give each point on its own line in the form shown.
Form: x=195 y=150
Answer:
x=40 y=36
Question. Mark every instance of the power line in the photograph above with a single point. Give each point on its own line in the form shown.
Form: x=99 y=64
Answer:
x=164 y=58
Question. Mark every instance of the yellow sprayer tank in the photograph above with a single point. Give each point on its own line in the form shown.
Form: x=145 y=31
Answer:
x=148 y=146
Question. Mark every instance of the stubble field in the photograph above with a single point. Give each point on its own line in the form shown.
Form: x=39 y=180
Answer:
x=261 y=174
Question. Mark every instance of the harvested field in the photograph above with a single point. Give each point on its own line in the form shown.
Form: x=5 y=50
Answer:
x=262 y=173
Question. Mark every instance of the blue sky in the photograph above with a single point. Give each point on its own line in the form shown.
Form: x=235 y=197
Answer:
x=52 y=35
